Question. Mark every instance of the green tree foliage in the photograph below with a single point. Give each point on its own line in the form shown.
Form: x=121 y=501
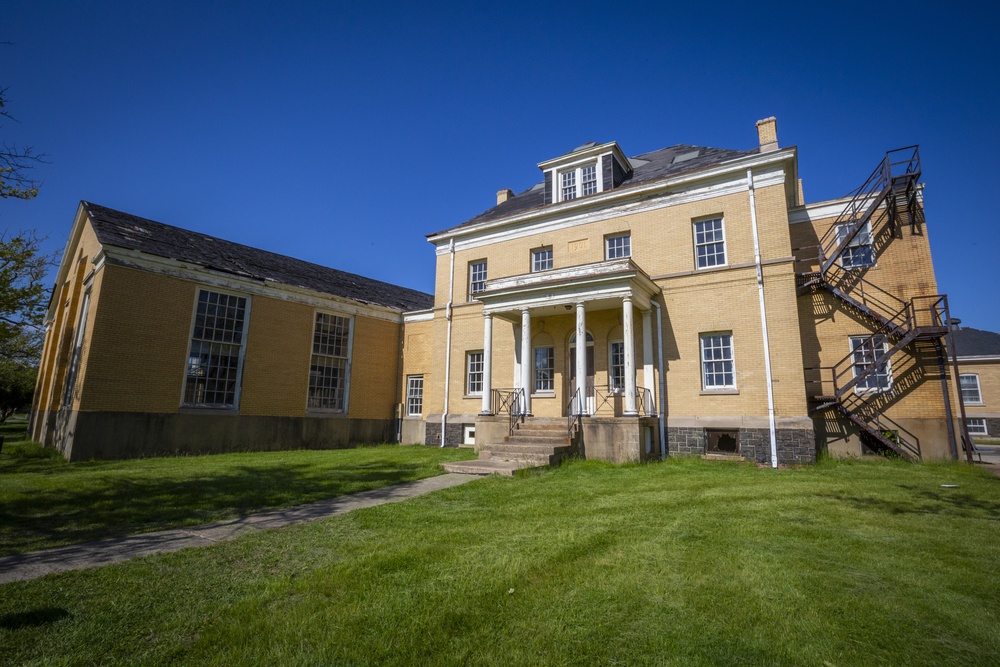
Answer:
x=17 y=385
x=15 y=163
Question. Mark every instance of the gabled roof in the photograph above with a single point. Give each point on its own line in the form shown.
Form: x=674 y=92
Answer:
x=971 y=342
x=123 y=230
x=652 y=166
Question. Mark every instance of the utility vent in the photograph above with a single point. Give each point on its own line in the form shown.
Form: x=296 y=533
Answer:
x=722 y=442
x=686 y=156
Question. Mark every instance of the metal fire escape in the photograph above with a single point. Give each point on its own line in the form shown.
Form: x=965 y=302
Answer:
x=859 y=385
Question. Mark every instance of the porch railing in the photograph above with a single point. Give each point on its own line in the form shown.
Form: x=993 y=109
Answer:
x=614 y=398
x=510 y=401
x=574 y=410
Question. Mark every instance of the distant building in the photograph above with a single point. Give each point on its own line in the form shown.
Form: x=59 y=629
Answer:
x=717 y=312
x=978 y=355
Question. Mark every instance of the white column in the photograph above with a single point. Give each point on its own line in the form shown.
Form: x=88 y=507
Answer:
x=629 y=334
x=487 y=363
x=647 y=357
x=526 y=364
x=581 y=359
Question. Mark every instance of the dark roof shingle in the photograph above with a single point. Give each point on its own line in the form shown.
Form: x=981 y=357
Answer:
x=123 y=230
x=971 y=342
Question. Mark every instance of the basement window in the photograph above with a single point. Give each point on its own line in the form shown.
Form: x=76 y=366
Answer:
x=976 y=426
x=722 y=442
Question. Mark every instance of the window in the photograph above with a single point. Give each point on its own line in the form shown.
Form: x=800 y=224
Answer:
x=328 y=369
x=709 y=243
x=545 y=369
x=859 y=252
x=474 y=373
x=477 y=277
x=865 y=350
x=616 y=367
x=970 y=388
x=578 y=181
x=541 y=259
x=976 y=426
x=414 y=395
x=717 y=370
x=618 y=246
x=216 y=356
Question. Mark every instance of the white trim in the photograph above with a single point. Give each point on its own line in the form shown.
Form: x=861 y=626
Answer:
x=875 y=355
x=694 y=238
x=717 y=388
x=406 y=402
x=979 y=358
x=979 y=388
x=831 y=208
x=418 y=316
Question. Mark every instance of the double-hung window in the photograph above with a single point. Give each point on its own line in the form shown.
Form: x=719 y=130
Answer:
x=616 y=366
x=717 y=366
x=544 y=369
x=865 y=351
x=474 y=372
x=578 y=182
x=541 y=259
x=215 y=360
x=618 y=246
x=414 y=395
x=477 y=277
x=969 y=384
x=859 y=252
x=330 y=364
x=976 y=426
x=709 y=243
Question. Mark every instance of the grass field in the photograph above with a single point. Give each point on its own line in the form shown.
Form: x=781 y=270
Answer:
x=46 y=501
x=676 y=563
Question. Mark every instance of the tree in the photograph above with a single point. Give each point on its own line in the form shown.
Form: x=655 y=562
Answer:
x=15 y=163
x=17 y=385
x=22 y=297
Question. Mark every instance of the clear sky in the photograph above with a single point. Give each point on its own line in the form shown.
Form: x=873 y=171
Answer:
x=342 y=133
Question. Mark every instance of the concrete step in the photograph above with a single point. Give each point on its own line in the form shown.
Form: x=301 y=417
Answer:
x=537 y=438
x=542 y=426
x=532 y=448
x=488 y=467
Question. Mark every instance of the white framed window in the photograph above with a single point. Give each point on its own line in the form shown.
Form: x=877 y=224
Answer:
x=474 y=372
x=477 y=277
x=718 y=369
x=969 y=383
x=329 y=366
x=545 y=369
x=859 y=252
x=616 y=365
x=617 y=246
x=976 y=426
x=215 y=356
x=709 y=243
x=865 y=350
x=414 y=395
x=541 y=259
x=578 y=181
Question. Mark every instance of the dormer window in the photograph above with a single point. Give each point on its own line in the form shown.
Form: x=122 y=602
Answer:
x=578 y=181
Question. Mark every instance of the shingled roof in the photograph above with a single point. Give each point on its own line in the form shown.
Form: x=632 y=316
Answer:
x=652 y=166
x=971 y=342
x=123 y=230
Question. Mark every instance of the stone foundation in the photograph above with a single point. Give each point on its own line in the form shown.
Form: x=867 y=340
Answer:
x=795 y=446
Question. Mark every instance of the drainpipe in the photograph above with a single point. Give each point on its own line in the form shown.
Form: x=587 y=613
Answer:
x=447 y=352
x=763 y=321
x=662 y=382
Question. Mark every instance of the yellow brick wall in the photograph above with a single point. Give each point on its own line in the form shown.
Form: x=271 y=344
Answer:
x=374 y=369
x=276 y=361
x=989 y=389
x=419 y=358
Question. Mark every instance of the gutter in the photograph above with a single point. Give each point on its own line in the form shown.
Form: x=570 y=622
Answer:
x=662 y=381
x=447 y=353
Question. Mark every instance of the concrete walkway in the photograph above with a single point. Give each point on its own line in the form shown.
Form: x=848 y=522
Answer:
x=22 y=567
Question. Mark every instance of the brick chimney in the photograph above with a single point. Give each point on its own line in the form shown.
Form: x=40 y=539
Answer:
x=504 y=195
x=767 y=133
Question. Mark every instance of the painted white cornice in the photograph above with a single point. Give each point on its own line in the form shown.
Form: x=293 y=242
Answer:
x=419 y=315
x=831 y=208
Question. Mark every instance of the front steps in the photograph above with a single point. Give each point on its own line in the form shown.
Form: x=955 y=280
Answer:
x=534 y=444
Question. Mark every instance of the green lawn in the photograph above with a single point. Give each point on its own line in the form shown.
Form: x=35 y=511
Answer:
x=675 y=563
x=46 y=501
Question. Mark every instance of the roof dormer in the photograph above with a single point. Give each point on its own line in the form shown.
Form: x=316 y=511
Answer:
x=586 y=170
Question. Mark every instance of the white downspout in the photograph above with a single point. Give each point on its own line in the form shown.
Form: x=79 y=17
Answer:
x=447 y=352
x=763 y=321
x=662 y=382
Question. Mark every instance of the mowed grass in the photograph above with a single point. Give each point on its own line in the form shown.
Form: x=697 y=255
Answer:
x=675 y=563
x=46 y=501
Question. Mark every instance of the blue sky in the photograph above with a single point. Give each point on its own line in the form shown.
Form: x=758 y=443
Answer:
x=343 y=133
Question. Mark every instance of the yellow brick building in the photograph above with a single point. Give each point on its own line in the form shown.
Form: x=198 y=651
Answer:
x=978 y=354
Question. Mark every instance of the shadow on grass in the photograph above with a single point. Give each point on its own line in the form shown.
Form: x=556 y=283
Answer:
x=944 y=502
x=32 y=618
x=115 y=506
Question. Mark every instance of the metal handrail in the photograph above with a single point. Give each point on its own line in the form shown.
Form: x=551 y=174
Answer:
x=510 y=401
x=573 y=417
x=643 y=399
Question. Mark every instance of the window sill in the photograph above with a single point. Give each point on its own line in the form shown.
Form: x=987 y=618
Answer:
x=413 y=418
x=332 y=414
x=974 y=404
x=546 y=394
x=472 y=396
x=720 y=392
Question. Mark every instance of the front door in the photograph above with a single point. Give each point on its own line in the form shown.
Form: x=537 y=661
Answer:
x=589 y=392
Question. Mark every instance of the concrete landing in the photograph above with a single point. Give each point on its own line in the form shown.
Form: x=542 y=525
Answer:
x=487 y=467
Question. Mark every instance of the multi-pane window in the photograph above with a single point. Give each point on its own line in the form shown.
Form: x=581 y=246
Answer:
x=969 y=383
x=477 y=277
x=976 y=426
x=568 y=183
x=578 y=181
x=474 y=373
x=860 y=251
x=329 y=365
x=616 y=371
x=717 y=369
x=709 y=243
x=618 y=246
x=865 y=351
x=588 y=179
x=541 y=259
x=414 y=395
x=545 y=371
x=214 y=363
